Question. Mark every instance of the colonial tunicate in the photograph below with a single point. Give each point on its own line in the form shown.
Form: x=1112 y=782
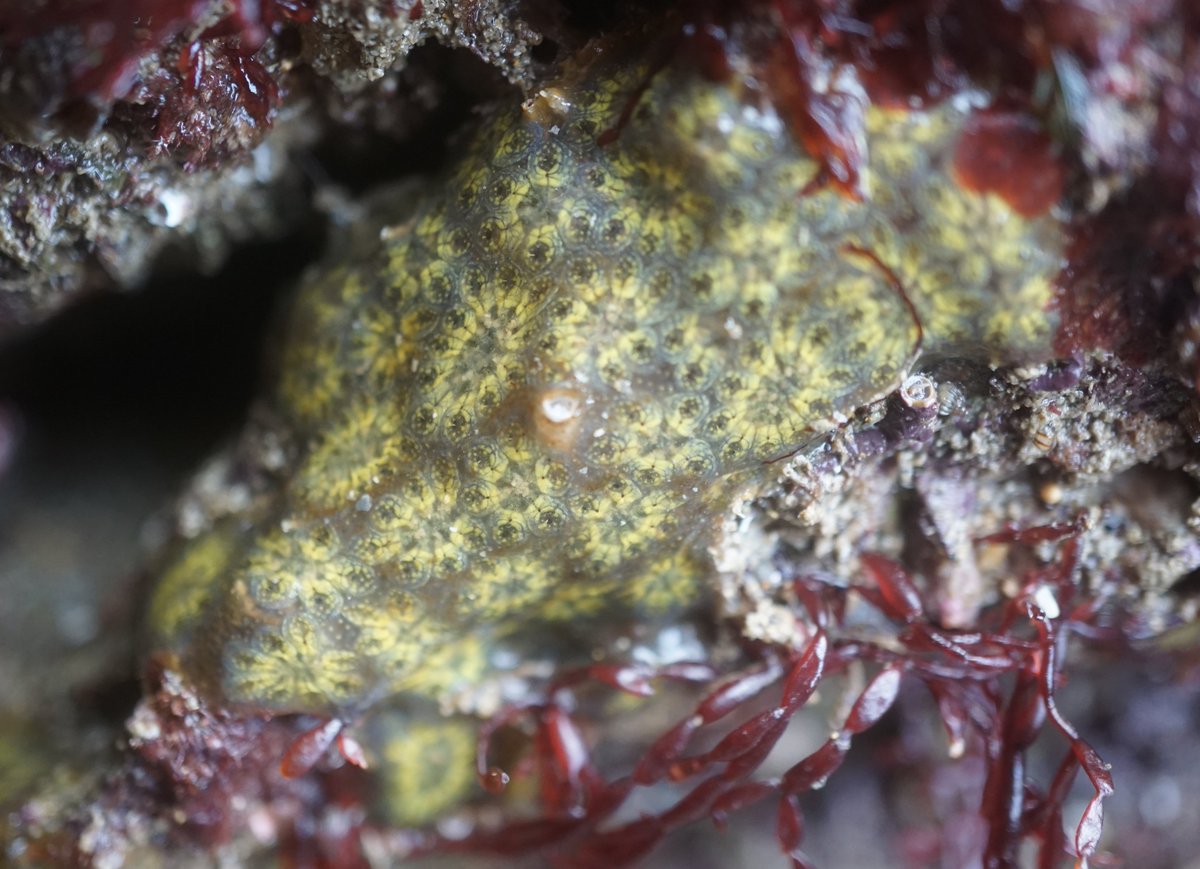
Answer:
x=534 y=399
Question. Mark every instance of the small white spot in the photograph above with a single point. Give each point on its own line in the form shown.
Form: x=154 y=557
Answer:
x=264 y=164
x=261 y=825
x=767 y=121
x=1047 y=603
x=455 y=827
x=965 y=101
x=176 y=206
x=560 y=407
x=363 y=504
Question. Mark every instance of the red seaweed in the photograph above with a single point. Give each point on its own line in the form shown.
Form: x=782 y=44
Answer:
x=995 y=688
x=1009 y=153
x=1129 y=285
x=209 y=94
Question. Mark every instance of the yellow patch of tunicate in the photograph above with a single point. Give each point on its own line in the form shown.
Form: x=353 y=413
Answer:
x=537 y=397
x=301 y=660
x=422 y=767
x=184 y=588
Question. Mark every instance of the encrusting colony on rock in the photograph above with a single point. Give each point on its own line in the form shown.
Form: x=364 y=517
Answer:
x=534 y=399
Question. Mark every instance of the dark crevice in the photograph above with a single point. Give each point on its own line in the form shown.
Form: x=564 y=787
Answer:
x=170 y=368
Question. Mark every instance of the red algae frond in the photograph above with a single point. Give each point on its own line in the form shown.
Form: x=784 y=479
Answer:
x=994 y=686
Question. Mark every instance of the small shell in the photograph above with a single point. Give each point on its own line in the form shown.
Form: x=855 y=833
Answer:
x=1051 y=493
x=951 y=400
x=1044 y=439
x=919 y=392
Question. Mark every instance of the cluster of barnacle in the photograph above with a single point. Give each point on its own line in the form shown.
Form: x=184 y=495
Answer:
x=523 y=416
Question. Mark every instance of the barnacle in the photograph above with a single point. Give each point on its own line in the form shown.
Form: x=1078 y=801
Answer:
x=534 y=399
